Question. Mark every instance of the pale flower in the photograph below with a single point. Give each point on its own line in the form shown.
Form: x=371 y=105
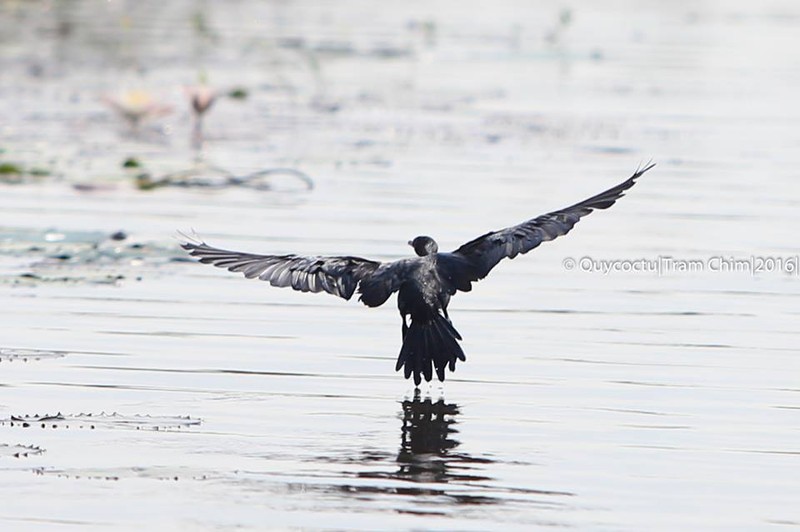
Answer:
x=201 y=97
x=137 y=106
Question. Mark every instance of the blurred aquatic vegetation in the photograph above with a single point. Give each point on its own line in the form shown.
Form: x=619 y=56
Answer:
x=19 y=451
x=101 y=421
x=15 y=174
x=205 y=175
x=427 y=30
x=202 y=28
x=136 y=107
x=24 y=355
x=84 y=257
x=9 y=168
x=555 y=36
x=238 y=93
x=131 y=162
x=114 y=474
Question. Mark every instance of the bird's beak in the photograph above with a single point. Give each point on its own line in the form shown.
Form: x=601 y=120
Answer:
x=411 y=243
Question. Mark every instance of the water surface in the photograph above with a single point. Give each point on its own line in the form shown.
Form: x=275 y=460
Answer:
x=141 y=389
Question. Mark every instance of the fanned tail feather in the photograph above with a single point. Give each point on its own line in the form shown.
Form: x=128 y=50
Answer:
x=428 y=345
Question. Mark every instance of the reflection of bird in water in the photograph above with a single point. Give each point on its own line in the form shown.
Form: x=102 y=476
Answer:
x=424 y=283
x=427 y=445
x=428 y=461
x=430 y=464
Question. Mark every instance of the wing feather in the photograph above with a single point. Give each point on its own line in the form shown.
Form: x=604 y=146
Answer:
x=335 y=275
x=475 y=259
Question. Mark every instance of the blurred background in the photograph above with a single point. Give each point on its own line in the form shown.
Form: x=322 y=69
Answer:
x=618 y=401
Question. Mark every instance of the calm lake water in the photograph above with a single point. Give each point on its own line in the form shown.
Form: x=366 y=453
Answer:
x=140 y=389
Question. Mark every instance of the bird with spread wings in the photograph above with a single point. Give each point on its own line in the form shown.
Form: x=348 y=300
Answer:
x=424 y=283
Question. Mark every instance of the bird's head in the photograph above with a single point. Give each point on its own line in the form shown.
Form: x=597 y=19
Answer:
x=424 y=245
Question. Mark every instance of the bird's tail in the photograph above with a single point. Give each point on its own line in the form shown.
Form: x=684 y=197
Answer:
x=429 y=344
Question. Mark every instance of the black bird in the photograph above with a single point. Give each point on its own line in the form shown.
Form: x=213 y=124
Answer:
x=424 y=283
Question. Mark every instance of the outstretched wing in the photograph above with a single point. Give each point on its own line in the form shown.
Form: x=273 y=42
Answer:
x=335 y=275
x=475 y=259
